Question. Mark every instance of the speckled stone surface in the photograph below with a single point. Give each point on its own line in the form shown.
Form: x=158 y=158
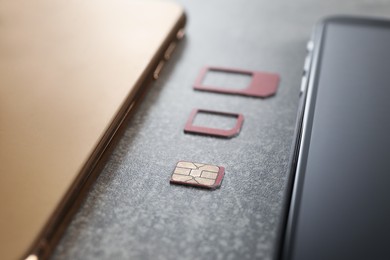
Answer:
x=132 y=212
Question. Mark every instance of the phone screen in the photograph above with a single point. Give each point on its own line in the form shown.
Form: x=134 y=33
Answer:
x=341 y=208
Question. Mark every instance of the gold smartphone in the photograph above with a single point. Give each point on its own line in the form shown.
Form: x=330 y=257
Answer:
x=70 y=72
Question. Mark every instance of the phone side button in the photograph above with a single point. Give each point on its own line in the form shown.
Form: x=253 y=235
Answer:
x=306 y=66
x=169 y=51
x=180 y=34
x=303 y=84
x=310 y=46
x=157 y=71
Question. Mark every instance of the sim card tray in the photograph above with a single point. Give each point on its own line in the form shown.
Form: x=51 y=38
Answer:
x=190 y=128
x=263 y=84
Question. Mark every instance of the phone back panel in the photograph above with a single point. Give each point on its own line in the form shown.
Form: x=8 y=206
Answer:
x=67 y=69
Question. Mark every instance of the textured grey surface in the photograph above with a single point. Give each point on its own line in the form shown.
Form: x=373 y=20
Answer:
x=132 y=212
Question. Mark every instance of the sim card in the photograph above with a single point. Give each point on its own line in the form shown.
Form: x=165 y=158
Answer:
x=198 y=175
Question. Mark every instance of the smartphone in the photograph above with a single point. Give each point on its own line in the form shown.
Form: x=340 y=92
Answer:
x=71 y=72
x=338 y=203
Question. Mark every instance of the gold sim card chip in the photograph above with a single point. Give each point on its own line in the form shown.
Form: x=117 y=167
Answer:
x=198 y=175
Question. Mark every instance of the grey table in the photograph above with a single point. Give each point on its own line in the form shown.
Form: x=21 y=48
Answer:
x=132 y=212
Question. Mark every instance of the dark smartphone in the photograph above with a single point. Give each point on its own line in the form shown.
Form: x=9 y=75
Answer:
x=339 y=191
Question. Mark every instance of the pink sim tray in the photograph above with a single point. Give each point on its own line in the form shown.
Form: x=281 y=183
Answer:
x=190 y=128
x=262 y=85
